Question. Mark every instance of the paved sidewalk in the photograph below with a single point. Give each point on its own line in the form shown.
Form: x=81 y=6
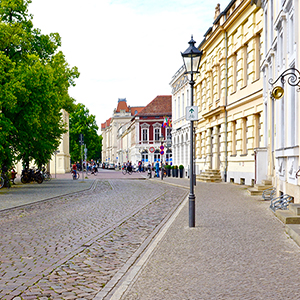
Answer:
x=23 y=194
x=238 y=250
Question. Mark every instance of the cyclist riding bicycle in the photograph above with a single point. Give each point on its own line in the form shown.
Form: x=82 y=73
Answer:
x=74 y=170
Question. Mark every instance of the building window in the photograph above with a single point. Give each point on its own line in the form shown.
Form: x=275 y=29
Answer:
x=257 y=137
x=182 y=101
x=234 y=73
x=145 y=156
x=244 y=135
x=291 y=34
x=178 y=107
x=169 y=156
x=258 y=56
x=145 y=134
x=234 y=138
x=156 y=156
x=156 y=134
x=169 y=135
x=246 y=66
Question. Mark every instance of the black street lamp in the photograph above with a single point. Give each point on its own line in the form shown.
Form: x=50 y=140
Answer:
x=191 y=58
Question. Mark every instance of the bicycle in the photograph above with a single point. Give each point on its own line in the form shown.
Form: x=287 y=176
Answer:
x=75 y=177
x=94 y=171
x=125 y=171
x=1 y=182
x=4 y=181
x=46 y=174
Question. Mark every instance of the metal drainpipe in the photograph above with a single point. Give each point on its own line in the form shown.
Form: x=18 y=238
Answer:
x=226 y=93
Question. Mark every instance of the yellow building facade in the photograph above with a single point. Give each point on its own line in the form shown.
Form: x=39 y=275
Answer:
x=228 y=93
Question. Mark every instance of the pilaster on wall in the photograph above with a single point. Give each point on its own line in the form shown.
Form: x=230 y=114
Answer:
x=222 y=142
x=215 y=148
x=209 y=148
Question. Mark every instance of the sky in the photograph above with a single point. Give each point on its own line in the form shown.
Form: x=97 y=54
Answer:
x=123 y=48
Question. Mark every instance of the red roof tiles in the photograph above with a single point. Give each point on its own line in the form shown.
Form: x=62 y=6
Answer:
x=160 y=106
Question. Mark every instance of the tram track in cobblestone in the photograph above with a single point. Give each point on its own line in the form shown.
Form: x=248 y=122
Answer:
x=84 y=271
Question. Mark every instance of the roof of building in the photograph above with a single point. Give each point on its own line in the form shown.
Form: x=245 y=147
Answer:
x=122 y=105
x=159 y=106
x=106 y=123
x=136 y=109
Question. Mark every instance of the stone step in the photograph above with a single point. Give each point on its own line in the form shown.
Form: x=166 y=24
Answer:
x=287 y=217
x=262 y=187
x=254 y=192
x=212 y=171
x=293 y=230
x=209 y=175
x=209 y=179
x=295 y=208
x=267 y=182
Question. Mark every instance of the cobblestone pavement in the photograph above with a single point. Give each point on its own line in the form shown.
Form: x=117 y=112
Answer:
x=23 y=194
x=71 y=247
x=238 y=250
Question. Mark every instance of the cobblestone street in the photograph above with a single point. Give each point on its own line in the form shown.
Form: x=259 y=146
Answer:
x=70 y=247
x=129 y=239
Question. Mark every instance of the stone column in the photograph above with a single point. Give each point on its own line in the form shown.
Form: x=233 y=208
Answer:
x=208 y=148
x=215 y=149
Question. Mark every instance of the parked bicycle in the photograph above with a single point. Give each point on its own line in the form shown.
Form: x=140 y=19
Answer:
x=46 y=174
x=1 y=182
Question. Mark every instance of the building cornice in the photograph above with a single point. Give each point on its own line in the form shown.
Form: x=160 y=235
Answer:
x=214 y=112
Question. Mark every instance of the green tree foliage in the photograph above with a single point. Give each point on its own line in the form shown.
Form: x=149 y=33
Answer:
x=81 y=122
x=34 y=82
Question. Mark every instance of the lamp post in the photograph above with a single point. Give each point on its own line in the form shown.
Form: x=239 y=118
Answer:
x=191 y=58
x=161 y=154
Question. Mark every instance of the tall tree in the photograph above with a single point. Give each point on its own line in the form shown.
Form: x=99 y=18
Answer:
x=82 y=122
x=33 y=88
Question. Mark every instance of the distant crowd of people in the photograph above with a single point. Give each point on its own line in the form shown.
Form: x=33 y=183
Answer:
x=86 y=165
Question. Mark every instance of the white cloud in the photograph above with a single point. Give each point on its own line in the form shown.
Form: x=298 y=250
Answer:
x=123 y=48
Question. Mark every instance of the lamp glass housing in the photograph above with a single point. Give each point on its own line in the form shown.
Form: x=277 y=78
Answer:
x=191 y=58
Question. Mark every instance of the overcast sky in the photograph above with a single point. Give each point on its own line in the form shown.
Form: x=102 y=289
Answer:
x=123 y=48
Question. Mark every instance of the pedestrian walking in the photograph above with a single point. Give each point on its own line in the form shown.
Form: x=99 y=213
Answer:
x=157 y=168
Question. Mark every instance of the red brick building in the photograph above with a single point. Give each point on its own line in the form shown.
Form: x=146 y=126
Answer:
x=141 y=138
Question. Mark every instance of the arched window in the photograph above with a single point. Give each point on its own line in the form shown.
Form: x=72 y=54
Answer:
x=169 y=156
x=145 y=156
x=156 y=155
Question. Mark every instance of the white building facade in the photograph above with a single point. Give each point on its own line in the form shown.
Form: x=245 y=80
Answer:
x=180 y=127
x=280 y=65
